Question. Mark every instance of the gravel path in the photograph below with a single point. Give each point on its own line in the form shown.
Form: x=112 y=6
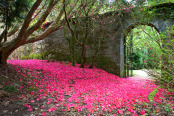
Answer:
x=142 y=74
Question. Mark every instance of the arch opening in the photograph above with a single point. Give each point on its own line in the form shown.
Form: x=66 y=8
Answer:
x=142 y=50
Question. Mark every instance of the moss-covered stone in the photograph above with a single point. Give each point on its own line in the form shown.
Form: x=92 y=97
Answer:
x=58 y=56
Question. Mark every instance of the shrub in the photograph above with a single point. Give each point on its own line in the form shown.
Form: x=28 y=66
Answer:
x=24 y=57
x=35 y=56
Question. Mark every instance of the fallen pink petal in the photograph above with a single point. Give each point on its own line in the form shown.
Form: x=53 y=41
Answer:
x=97 y=89
x=86 y=58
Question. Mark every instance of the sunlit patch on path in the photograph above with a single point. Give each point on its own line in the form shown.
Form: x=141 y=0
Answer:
x=142 y=74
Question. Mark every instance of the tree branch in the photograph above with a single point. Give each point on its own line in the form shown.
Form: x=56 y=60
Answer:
x=14 y=30
x=2 y=36
x=41 y=36
x=66 y=19
x=49 y=30
x=39 y=11
x=28 y=20
x=152 y=38
x=41 y=20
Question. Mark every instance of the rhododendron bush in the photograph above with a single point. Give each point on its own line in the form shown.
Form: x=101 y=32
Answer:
x=74 y=88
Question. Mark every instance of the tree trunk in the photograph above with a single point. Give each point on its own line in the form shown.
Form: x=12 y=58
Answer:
x=83 y=55
x=93 y=58
x=73 y=52
x=6 y=51
x=3 y=57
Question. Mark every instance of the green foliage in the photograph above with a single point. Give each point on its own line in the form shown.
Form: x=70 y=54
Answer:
x=146 y=48
x=10 y=88
x=170 y=88
x=31 y=56
x=2 y=77
x=155 y=2
x=152 y=94
x=24 y=57
x=40 y=56
x=35 y=56
x=162 y=10
x=153 y=51
x=32 y=88
x=167 y=59
x=135 y=59
x=154 y=9
x=14 y=10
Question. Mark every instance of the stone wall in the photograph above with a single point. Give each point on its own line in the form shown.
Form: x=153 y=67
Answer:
x=57 y=47
x=111 y=28
x=111 y=54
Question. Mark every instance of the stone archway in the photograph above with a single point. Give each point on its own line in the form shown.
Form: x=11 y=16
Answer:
x=111 y=53
x=129 y=61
